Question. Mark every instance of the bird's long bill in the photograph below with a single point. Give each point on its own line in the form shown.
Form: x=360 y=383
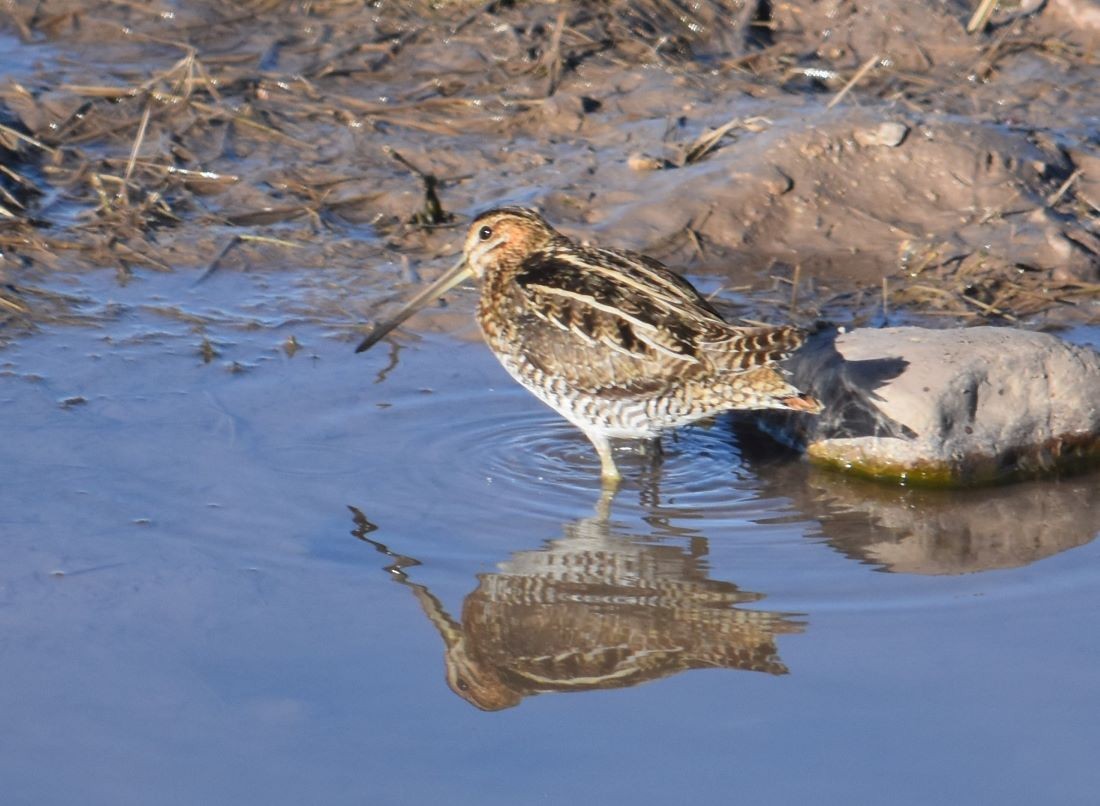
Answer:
x=452 y=277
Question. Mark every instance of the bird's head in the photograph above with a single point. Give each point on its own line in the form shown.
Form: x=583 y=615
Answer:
x=496 y=239
x=477 y=682
x=504 y=237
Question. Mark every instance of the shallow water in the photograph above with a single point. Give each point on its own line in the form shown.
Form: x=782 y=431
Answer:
x=246 y=580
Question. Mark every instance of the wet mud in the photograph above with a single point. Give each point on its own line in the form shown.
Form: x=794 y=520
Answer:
x=817 y=159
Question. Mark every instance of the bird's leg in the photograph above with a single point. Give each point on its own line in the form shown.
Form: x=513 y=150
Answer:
x=654 y=456
x=650 y=447
x=609 y=474
x=603 y=506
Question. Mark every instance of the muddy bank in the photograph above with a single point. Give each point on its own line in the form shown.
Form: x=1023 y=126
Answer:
x=800 y=152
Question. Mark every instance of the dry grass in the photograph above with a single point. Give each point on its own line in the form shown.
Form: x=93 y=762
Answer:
x=216 y=120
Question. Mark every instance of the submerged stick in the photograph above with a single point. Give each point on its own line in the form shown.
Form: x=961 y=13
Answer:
x=554 y=68
x=1061 y=191
x=433 y=212
x=213 y=267
x=860 y=73
x=981 y=16
x=705 y=143
x=26 y=138
x=14 y=305
x=794 y=287
x=139 y=138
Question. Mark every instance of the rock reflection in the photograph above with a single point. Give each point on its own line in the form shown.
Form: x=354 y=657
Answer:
x=596 y=608
x=922 y=531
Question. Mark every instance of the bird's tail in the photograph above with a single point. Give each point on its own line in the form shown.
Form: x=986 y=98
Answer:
x=744 y=348
x=764 y=388
x=802 y=402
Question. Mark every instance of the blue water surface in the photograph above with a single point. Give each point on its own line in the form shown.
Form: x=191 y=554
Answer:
x=195 y=605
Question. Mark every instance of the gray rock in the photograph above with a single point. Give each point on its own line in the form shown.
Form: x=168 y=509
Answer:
x=948 y=406
x=889 y=134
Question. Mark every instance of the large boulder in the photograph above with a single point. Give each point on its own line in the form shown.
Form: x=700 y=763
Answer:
x=948 y=407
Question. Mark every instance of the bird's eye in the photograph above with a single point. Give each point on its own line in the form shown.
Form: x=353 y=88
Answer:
x=485 y=233
x=462 y=684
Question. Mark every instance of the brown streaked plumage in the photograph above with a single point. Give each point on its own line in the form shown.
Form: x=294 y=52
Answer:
x=596 y=609
x=614 y=341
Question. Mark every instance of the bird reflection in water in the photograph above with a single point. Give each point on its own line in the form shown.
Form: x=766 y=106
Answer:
x=594 y=609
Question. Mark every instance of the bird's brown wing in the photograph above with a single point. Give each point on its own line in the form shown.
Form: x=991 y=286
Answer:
x=643 y=266
x=756 y=346
x=609 y=298
x=637 y=307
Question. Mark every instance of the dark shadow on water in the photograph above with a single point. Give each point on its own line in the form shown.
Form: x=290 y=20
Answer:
x=923 y=531
x=848 y=390
x=595 y=608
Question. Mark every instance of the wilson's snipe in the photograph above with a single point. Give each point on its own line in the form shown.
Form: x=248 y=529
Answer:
x=595 y=608
x=598 y=610
x=614 y=341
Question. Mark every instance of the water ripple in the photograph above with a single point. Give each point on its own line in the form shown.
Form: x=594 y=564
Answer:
x=530 y=460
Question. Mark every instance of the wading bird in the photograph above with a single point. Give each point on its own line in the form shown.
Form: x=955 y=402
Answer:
x=612 y=340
